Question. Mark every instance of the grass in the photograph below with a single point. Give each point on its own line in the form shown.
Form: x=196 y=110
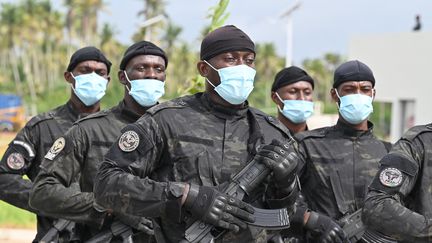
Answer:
x=11 y=216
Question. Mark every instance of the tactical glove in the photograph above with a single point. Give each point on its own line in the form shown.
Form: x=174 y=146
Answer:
x=216 y=208
x=282 y=159
x=142 y=224
x=325 y=230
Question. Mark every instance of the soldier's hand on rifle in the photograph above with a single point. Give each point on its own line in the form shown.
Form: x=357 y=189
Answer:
x=145 y=225
x=325 y=229
x=142 y=224
x=216 y=208
x=282 y=159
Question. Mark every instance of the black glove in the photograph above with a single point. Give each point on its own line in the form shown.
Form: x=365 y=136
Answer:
x=142 y=224
x=282 y=159
x=216 y=208
x=325 y=229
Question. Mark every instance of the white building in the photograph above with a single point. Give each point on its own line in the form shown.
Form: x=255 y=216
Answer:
x=402 y=66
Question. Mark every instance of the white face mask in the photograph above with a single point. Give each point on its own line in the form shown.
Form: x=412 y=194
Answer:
x=236 y=83
x=90 y=87
x=355 y=108
x=146 y=92
x=297 y=111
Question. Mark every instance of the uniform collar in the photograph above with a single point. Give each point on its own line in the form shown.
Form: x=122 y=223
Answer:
x=128 y=113
x=349 y=131
x=221 y=111
x=72 y=113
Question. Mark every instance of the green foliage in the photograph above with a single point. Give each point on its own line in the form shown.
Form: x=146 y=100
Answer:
x=218 y=17
x=11 y=216
x=381 y=118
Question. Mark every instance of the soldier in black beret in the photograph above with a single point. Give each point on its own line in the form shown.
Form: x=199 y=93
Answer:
x=338 y=161
x=292 y=91
x=142 y=72
x=26 y=152
x=173 y=163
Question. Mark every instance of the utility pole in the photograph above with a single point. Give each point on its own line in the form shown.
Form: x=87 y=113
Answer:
x=289 y=29
x=149 y=22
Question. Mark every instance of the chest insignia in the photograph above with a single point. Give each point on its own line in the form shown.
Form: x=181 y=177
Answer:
x=56 y=148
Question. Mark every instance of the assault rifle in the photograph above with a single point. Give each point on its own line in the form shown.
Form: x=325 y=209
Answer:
x=356 y=230
x=353 y=226
x=53 y=233
x=242 y=184
x=116 y=229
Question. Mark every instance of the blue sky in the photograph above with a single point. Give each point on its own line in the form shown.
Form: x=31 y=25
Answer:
x=319 y=26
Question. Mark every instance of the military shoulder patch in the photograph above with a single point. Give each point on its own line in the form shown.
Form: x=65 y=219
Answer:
x=129 y=141
x=391 y=177
x=15 y=161
x=56 y=148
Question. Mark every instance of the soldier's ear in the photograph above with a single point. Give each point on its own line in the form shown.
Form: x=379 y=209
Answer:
x=275 y=98
x=68 y=77
x=122 y=77
x=334 y=96
x=203 y=68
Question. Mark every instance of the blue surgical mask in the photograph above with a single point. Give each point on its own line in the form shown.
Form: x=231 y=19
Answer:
x=146 y=92
x=89 y=88
x=296 y=111
x=236 y=83
x=355 y=108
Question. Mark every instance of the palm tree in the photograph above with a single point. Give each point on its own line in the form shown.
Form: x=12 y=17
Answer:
x=171 y=35
x=152 y=8
x=267 y=65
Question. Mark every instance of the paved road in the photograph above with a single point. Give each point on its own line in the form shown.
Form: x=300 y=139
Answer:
x=16 y=235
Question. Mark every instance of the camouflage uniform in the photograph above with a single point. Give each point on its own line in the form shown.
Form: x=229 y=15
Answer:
x=188 y=139
x=338 y=165
x=55 y=191
x=399 y=201
x=24 y=155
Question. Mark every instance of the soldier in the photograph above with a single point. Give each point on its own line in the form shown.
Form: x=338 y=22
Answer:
x=172 y=162
x=142 y=72
x=399 y=201
x=339 y=161
x=88 y=75
x=292 y=92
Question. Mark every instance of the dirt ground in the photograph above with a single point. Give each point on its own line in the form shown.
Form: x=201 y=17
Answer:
x=16 y=235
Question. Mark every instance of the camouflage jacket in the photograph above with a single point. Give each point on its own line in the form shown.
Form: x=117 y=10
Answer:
x=24 y=155
x=338 y=165
x=399 y=201
x=64 y=186
x=188 y=139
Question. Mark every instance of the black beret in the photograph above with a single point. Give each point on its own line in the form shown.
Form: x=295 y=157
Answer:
x=142 y=48
x=291 y=75
x=352 y=71
x=225 y=39
x=86 y=54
